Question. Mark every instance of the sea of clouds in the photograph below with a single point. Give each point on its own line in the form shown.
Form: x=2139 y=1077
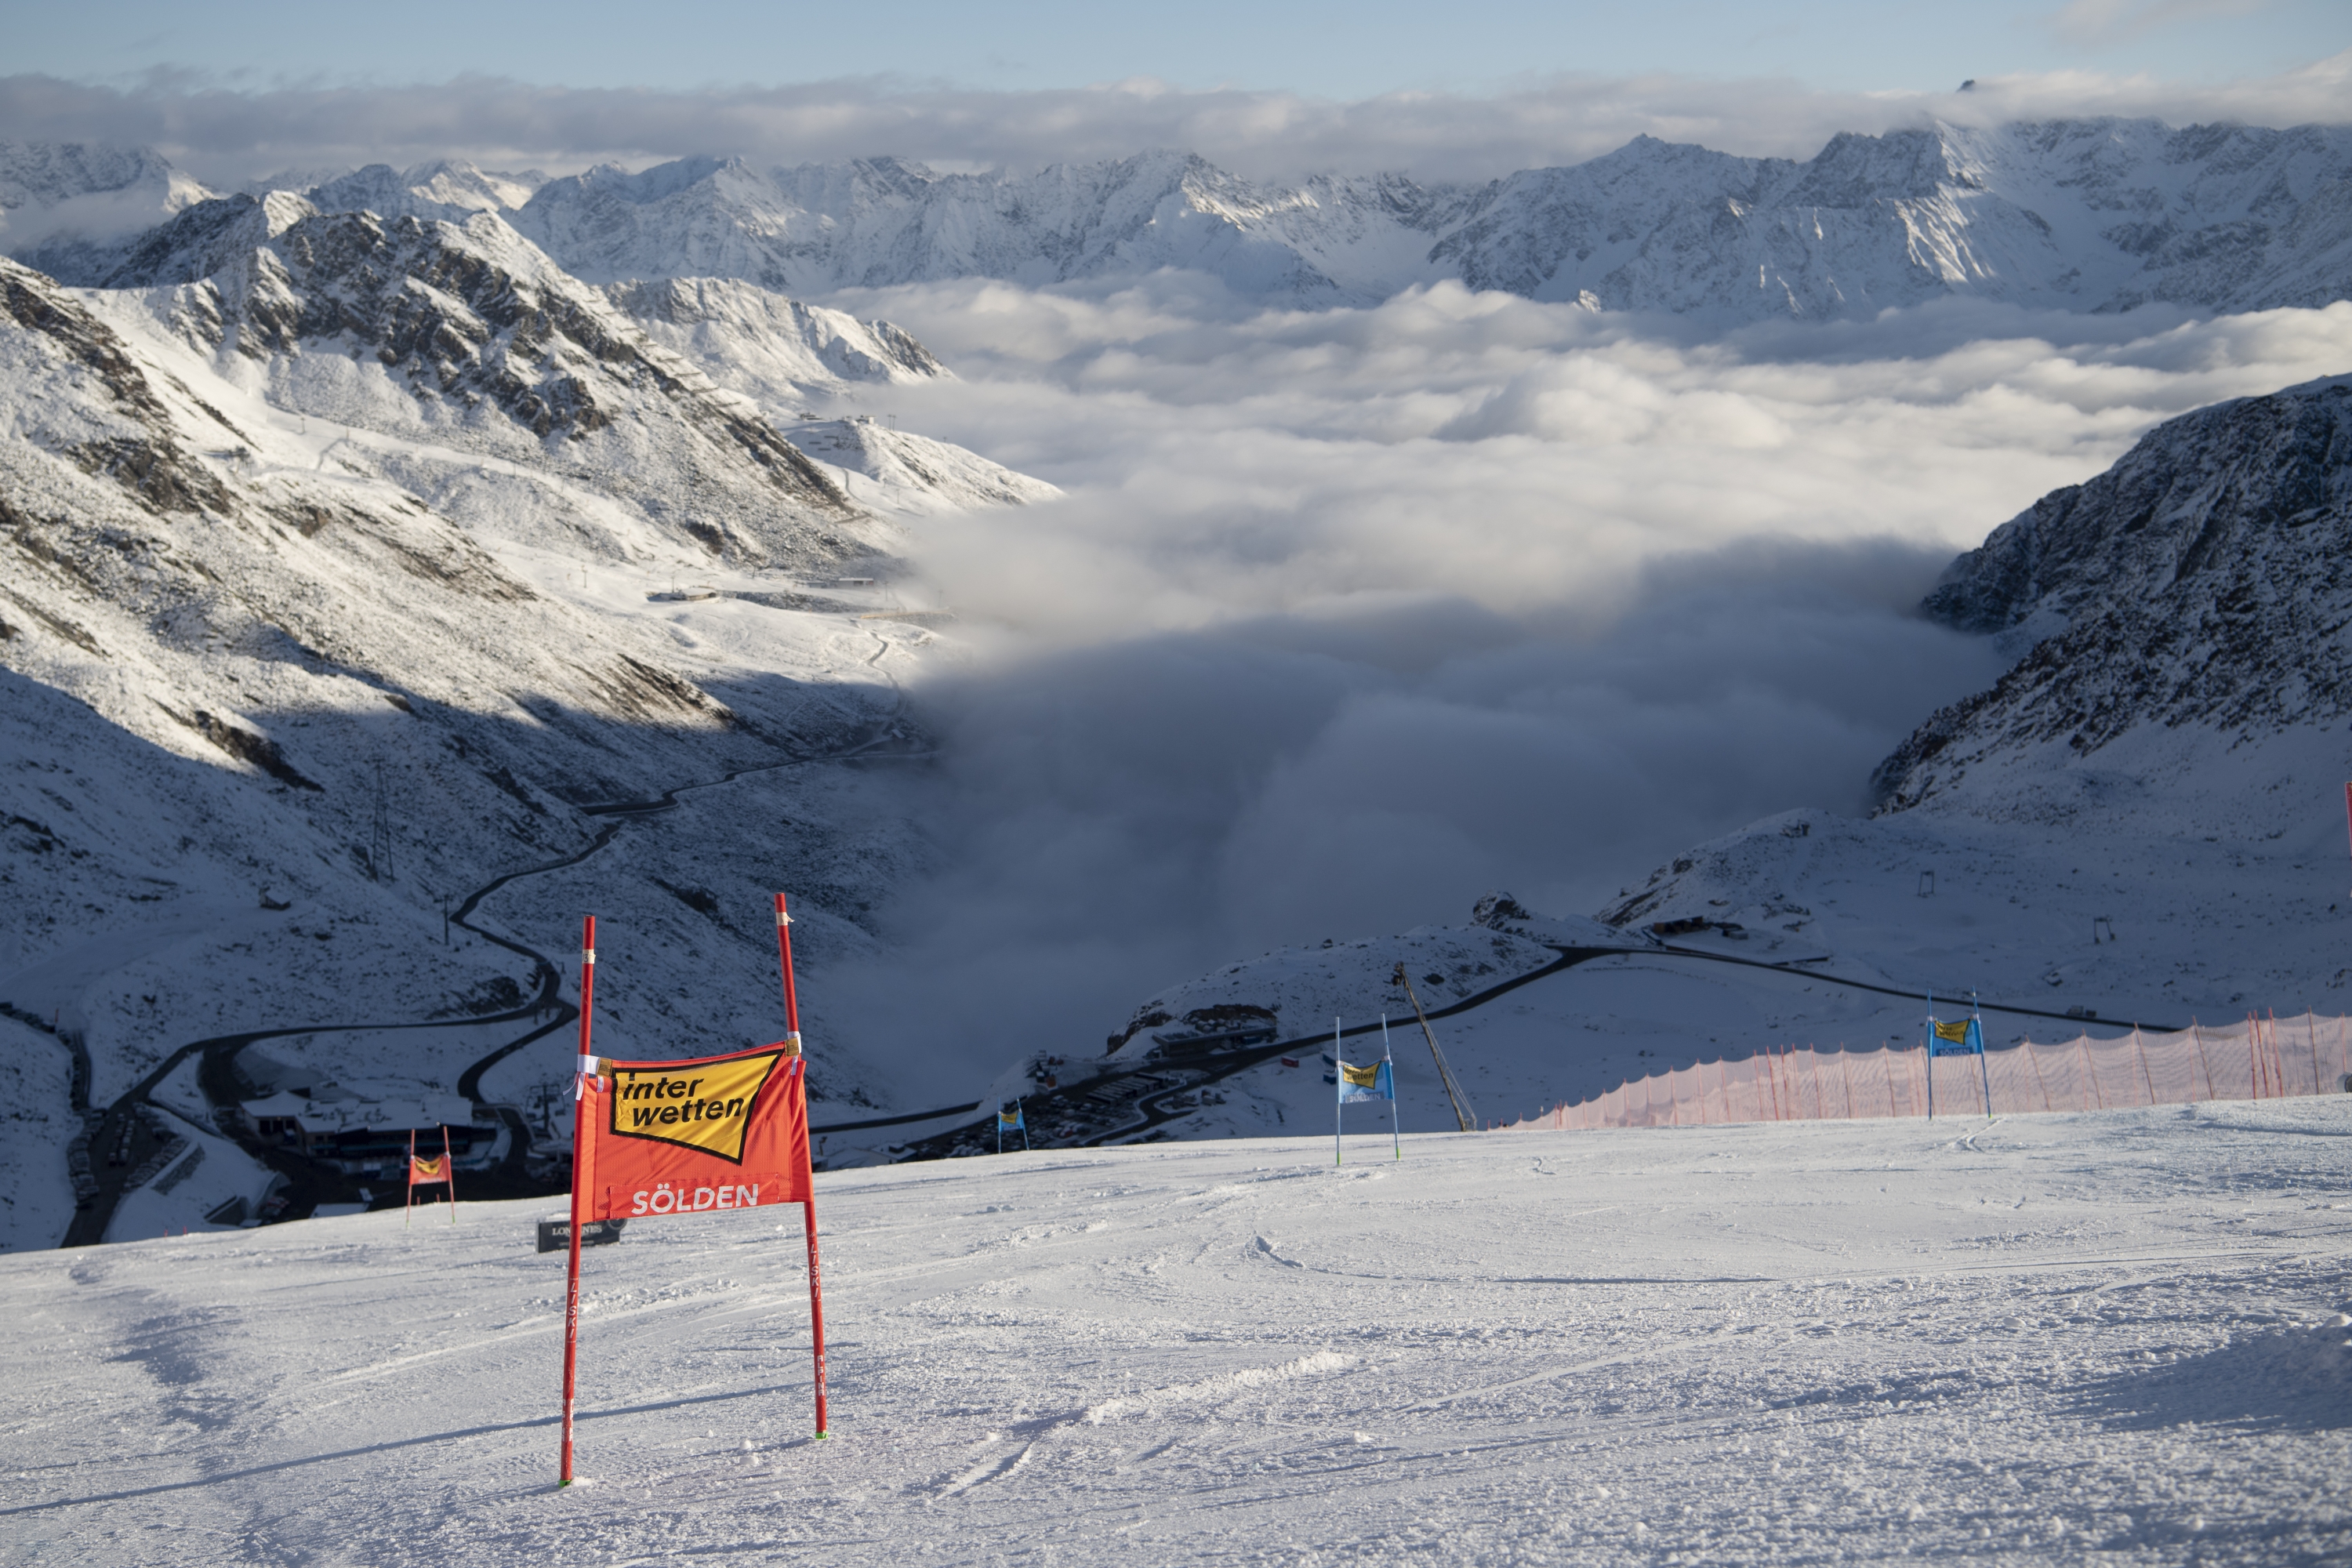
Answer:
x=1352 y=616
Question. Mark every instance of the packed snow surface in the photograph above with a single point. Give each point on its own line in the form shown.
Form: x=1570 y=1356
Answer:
x=2026 y=1340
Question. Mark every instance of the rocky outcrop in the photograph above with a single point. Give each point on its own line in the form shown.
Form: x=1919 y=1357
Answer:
x=2202 y=581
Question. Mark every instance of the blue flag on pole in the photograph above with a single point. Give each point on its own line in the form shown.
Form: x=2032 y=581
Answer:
x=1960 y=1037
x=1373 y=1081
x=1956 y=1037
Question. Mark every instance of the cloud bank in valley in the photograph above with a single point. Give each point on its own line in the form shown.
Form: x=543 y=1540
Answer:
x=227 y=134
x=1352 y=616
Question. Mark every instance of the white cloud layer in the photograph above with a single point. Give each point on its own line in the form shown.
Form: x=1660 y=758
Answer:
x=230 y=134
x=1352 y=616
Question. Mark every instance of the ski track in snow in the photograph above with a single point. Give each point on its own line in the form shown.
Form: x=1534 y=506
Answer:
x=2119 y=1333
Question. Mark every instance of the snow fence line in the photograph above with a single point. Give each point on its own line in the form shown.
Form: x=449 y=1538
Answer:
x=2260 y=1058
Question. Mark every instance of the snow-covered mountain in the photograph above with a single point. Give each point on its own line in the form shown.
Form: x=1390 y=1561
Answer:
x=2071 y=215
x=470 y=338
x=2142 y=821
x=436 y=189
x=2078 y=215
x=2087 y=214
x=2192 y=616
x=73 y=203
x=2146 y=813
x=351 y=665
x=782 y=354
x=777 y=351
x=359 y=560
x=877 y=221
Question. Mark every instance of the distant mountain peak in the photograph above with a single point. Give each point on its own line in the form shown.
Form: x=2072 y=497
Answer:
x=2080 y=215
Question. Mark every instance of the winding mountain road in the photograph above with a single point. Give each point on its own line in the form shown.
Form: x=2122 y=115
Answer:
x=130 y=1127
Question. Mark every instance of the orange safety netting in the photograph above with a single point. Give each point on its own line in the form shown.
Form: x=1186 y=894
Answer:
x=2260 y=1058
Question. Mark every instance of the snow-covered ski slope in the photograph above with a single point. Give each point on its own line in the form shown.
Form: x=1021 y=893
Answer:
x=2049 y=1339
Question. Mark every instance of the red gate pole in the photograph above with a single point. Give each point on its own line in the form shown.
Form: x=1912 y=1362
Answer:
x=808 y=1208
x=580 y=1160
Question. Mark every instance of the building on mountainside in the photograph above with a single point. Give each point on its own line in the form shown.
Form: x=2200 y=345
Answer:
x=368 y=1138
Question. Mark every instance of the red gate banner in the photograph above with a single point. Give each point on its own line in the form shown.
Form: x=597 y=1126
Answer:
x=694 y=1137
x=687 y=1137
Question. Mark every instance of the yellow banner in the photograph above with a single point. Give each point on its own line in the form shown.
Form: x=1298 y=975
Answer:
x=707 y=1106
x=1957 y=1032
x=1363 y=1076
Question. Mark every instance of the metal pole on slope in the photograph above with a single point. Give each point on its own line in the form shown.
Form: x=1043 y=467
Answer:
x=1927 y=1044
x=449 y=1171
x=793 y=1039
x=1338 y=1088
x=1976 y=1014
x=581 y=1157
x=1396 y=1127
x=408 y=1183
x=1460 y=1115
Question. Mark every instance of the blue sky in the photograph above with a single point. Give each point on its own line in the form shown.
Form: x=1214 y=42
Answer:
x=1324 y=48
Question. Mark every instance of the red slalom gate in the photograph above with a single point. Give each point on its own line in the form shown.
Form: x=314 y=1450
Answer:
x=429 y=1172
x=586 y=1075
x=728 y=1132
x=808 y=1206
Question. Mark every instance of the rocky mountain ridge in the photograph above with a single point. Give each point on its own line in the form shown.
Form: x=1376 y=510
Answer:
x=357 y=562
x=2198 y=586
x=2087 y=214
x=2182 y=632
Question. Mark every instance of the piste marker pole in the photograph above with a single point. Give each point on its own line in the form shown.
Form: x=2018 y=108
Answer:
x=1927 y=1044
x=1339 y=1087
x=1396 y=1126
